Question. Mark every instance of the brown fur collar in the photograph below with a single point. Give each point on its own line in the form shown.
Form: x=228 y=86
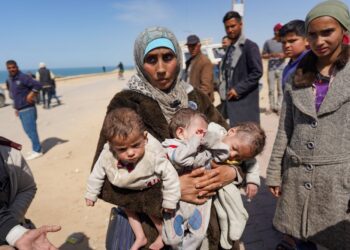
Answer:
x=305 y=73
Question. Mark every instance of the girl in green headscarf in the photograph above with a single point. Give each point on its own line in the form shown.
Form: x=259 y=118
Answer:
x=309 y=169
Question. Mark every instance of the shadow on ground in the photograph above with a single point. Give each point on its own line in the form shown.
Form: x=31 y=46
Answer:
x=49 y=143
x=76 y=241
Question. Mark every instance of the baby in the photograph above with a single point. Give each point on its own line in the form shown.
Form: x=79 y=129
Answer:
x=133 y=159
x=196 y=144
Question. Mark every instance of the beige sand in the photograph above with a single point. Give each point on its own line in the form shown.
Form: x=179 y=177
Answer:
x=69 y=135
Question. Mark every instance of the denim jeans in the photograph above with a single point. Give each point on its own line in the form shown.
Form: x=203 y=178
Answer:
x=28 y=118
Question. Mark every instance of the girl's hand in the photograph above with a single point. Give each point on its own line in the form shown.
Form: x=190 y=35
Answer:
x=276 y=191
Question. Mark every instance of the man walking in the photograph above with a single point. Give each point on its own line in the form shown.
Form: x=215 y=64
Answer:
x=274 y=53
x=242 y=69
x=24 y=90
x=199 y=69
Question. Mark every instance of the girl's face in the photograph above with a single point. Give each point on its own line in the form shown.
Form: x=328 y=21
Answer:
x=160 y=66
x=325 y=36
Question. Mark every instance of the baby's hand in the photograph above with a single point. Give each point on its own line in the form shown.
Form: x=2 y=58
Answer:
x=169 y=211
x=201 y=132
x=251 y=190
x=89 y=203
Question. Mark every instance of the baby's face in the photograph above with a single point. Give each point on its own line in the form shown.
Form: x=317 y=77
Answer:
x=240 y=148
x=130 y=149
x=198 y=126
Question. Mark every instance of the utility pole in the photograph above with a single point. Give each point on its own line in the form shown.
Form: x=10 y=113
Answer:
x=238 y=5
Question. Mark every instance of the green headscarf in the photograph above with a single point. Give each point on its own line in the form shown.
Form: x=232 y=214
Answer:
x=333 y=8
x=140 y=83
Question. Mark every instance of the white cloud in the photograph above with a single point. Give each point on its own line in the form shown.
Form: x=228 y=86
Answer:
x=141 y=11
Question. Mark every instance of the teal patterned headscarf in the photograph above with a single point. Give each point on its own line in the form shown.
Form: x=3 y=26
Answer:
x=140 y=83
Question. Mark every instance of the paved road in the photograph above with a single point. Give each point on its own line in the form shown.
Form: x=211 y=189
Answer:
x=259 y=233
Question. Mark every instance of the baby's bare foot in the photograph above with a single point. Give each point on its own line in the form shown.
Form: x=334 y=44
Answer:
x=139 y=242
x=157 y=244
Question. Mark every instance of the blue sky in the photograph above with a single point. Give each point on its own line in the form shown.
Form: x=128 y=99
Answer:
x=74 y=33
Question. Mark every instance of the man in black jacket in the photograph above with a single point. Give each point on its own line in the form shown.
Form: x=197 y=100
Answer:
x=242 y=69
x=46 y=78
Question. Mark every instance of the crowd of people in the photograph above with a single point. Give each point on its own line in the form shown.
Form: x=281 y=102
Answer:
x=173 y=163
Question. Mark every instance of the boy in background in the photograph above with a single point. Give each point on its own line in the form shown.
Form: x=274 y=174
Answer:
x=295 y=46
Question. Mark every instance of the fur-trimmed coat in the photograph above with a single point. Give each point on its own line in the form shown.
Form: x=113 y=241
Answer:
x=311 y=158
x=149 y=201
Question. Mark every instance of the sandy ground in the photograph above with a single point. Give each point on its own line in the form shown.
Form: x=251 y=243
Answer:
x=69 y=134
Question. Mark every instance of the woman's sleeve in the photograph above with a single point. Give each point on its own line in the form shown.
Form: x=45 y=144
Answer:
x=284 y=133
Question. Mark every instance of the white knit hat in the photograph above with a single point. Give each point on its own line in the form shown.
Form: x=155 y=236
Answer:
x=42 y=65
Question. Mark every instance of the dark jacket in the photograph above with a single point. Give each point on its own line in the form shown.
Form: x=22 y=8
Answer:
x=149 y=201
x=45 y=77
x=245 y=80
x=20 y=86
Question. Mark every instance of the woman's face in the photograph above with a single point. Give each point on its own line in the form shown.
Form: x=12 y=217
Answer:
x=160 y=66
x=325 y=36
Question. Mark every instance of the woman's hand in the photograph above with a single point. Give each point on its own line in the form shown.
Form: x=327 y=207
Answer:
x=218 y=176
x=276 y=191
x=200 y=184
x=188 y=183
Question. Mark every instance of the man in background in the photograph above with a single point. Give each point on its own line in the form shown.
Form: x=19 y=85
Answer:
x=199 y=69
x=242 y=69
x=274 y=53
x=46 y=78
x=121 y=71
x=24 y=89
x=225 y=43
